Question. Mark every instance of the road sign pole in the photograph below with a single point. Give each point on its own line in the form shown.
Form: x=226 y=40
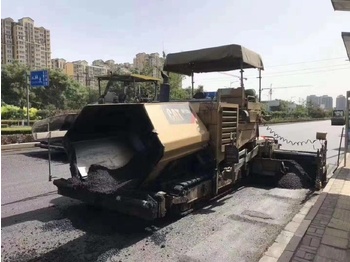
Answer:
x=37 y=79
x=27 y=89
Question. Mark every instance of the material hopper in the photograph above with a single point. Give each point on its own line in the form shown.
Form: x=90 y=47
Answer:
x=130 y=143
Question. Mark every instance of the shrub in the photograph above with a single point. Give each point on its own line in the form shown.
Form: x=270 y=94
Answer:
x=32 y=113
x=16 y=113
x=11 y=112
x=43 y=113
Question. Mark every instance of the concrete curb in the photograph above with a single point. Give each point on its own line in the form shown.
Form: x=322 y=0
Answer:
x=288 y=240
x=18 y=146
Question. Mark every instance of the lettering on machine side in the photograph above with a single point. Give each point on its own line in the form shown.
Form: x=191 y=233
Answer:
x=178 y=114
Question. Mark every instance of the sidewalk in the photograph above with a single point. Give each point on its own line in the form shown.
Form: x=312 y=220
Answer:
x=324 y=233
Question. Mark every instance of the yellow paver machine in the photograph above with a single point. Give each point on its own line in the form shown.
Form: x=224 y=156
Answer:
x=153 y=159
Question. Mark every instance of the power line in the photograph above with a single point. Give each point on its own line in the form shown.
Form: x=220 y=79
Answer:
x=306 y=62
x=297 y=63
x=312 y=72
x=304 y=69
x=285 y=73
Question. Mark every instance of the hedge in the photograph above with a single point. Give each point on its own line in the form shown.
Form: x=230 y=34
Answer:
x=14 y=112
x=16 y=122
x=15 y=131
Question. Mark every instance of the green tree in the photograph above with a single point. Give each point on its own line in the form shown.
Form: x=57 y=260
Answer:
x=176 y=90
x=315 y=111
x=13 y=84
x=180 y=94
x=300 y=111
x=175 y=80
x=62 y=93
x=93 y=95
x=284 y=106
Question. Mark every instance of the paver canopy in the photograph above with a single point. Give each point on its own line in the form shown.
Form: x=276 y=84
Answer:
x=214 y=59
x=129 y=78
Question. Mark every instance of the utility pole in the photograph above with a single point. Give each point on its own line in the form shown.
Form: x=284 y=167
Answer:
x=270 y=92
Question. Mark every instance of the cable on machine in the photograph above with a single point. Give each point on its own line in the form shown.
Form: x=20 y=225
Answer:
x=287 y=141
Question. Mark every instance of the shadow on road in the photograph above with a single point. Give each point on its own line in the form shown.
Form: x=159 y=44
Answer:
x=30 y=198
x=43 y=214
x=105 y=232
x=333 y=156
x=208 y=207
x=56 y=156
x=337 y=149
x=309 y=195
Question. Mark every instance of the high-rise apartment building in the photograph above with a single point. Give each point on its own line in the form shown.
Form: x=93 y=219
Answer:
x=314 y=100
x=24 y=42
x=140 y=61
x=58 y=63
x=7 y=50
x=340 y=102
x=153 y=60
x=84 y=73
x=325 y=102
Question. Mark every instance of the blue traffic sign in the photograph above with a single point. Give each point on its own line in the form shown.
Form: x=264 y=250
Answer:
x=39 y=78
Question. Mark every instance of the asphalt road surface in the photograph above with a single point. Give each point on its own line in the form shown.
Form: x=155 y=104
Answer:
x=304 y=132
x=39 y=225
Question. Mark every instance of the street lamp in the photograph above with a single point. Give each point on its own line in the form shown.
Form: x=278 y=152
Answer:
x=233 y=82
x=240 y=77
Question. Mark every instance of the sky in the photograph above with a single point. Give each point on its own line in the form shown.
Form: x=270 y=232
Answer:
x=299 y=41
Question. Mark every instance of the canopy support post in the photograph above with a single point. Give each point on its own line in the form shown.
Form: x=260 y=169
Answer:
x=242 y=80
x=192 y=85
x=155 y=91
x=259 y=84
x=136 y=90
x=99 y=86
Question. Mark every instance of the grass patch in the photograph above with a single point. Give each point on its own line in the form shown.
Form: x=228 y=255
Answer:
x=16 y=130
